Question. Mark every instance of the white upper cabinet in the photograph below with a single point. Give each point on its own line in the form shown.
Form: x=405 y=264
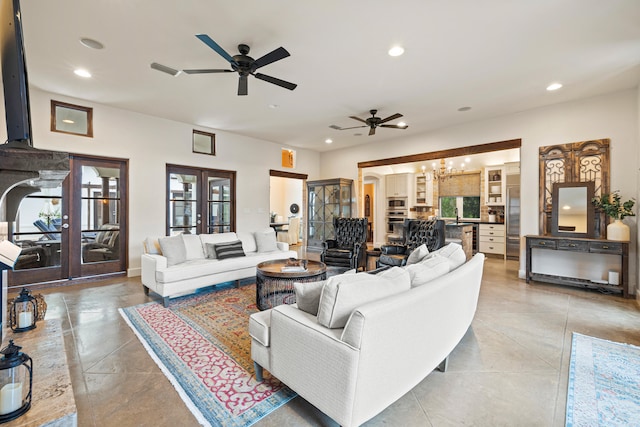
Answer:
x=494 y=185
x=397 y=185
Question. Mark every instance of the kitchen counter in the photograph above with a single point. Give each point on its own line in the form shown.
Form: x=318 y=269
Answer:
x=462 y=231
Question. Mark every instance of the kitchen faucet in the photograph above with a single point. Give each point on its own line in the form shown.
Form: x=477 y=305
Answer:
x=457 y=217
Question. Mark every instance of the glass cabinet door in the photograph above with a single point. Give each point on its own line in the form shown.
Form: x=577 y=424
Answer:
x=327 y=199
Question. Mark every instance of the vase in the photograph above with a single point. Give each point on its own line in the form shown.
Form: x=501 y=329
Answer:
x=618 y=230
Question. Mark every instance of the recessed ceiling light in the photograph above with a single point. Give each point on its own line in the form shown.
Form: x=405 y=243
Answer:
x=464 y=108
x=396 y=51
x=554 y=86
x=274 y=106
x=82 y=73
x=91 y=43
x=328 y=140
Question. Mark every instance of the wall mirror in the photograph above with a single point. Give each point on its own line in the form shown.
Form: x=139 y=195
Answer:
x=572 y=214
x=204 y=142
x=72 y=119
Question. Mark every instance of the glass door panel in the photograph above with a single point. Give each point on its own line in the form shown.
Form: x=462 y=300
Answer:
x=183 y=203
x=219 y=213
x=99 y=214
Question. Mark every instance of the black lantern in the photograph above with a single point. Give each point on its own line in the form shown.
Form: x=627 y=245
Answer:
x=16 y=380
x=24 y=312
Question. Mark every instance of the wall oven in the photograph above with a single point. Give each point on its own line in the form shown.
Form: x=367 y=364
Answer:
x=397 y=203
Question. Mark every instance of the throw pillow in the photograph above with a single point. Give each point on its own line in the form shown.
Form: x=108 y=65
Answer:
x=210 y=250
x=427 y=270
x=308 y=295
x=417 y=254
x=345 y=292
x=152 y=246
x=266 y=240
x=173 y=249
x=453 y=252
x=193 y=245
x=248 y=241
x=228 y=250
x=216 y=238
x=395 y=274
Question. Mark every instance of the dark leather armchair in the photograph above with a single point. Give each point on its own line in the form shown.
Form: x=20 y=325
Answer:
x=416 y=232
x=349 y=247
x=31 y=256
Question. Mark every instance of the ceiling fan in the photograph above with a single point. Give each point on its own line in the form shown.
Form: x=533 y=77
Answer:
x=243 y=64
x=373 y=122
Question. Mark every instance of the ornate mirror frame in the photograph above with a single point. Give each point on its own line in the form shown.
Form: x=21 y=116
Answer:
x=575 y=162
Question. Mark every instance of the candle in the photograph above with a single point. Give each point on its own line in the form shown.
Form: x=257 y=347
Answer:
x=25 y=319
x=10 y=398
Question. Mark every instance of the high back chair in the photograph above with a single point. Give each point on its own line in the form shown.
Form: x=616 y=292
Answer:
x=348 y=248
x=292 y=233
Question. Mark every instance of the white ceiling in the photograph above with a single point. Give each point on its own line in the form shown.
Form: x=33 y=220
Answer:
x=496 y=56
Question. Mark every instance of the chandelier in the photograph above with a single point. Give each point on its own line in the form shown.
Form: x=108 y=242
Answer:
x=444 y=172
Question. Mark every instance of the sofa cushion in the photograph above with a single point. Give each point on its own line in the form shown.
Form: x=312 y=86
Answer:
x=228 y=250
x=395 y=274
x=452 y=252
x=266 y=240
x=215 y=238
x=173 y=249
x=427 y=270
x=193 y=246
x=308 y=295
x=417 y=254
x=343 y=293
x=259 y=324
x=248 y=241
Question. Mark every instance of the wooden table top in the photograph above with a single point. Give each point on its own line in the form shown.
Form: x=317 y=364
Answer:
x=274 y=268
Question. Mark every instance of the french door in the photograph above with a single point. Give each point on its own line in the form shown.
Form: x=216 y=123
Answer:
x=200 y=201
x=75 y=229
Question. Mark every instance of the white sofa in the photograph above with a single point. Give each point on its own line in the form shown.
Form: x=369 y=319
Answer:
x=386 y=348
x=179 y=265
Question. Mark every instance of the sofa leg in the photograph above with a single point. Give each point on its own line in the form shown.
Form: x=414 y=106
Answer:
x=145 y=289
x=258 y=370
x=165 y=301
x=442 y=367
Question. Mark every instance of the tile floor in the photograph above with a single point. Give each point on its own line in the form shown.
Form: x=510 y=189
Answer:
x=510 y=369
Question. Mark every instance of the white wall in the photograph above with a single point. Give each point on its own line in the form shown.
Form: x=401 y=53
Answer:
x=614 y=116
x=284 y=192
x=149 y=143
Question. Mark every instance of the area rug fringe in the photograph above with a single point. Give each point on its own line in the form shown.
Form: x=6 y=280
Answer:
x=183 y=394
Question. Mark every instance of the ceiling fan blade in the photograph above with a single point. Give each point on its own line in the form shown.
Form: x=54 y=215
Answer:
x=372 y=131
x=242 y=85
x=215 y=46
x=206 y=71
x=394 y=126
x=358 y=119
x=395 y=116
x=276 y=55
x=354 y=127
x=275 y=81
x=165 y=69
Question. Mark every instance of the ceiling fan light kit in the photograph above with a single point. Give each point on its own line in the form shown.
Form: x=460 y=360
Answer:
x=374 y=122
x=242 y=63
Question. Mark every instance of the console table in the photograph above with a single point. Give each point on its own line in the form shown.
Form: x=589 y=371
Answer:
x=580 y=245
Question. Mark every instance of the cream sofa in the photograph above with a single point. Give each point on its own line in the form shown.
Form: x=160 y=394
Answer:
x=179 y=265
x=386 y=348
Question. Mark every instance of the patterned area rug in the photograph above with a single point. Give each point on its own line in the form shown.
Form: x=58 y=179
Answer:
x=604 y=383
x=202 y=345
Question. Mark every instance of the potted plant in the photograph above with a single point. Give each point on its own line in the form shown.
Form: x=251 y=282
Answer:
x=612 y=205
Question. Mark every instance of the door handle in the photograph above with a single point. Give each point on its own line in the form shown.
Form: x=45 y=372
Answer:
x=65 y=225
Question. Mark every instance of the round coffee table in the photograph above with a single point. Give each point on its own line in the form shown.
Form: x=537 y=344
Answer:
x=275 y=287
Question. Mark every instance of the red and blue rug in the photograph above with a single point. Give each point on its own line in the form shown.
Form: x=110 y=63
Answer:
x=202 y=344
x=604 y=383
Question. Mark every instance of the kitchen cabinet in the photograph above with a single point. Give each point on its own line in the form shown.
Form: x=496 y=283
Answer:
x=494 y=185
x=327 y=199
x=423 y=191
x=492 y=239
x=397 y=185
x=464 y=233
